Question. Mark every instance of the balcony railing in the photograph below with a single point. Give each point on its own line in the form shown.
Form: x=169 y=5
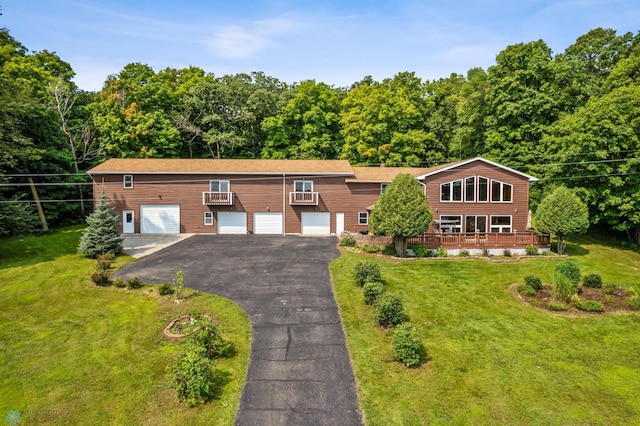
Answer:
x=480 y=239
x=217 y=198
x=303 y=198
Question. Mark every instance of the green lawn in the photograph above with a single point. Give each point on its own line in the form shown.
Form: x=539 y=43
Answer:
x=73 y=353
x=493 y=360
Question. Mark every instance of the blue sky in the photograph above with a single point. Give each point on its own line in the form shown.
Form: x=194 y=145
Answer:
x=337 y=42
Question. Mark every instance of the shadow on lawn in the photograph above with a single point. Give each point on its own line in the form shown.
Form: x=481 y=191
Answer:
x=21 y=251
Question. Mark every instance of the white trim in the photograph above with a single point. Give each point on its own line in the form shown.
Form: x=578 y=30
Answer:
x=208 y=218
x=500 y=227
x=304 y=182
x=464 y=192
x=502 y=184
x=478 y=200
x=366 y=218
x=465 y=162
x=450 y=183
x=125 y=184
x=220 y=181
x=383 y=187
x=476 y=216
x=450 y=226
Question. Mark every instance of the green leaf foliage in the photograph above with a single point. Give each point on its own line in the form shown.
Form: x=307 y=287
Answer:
x=192 y=377
x=388 y=310
x=562 y=213
x=407 y=347
x=401 y=211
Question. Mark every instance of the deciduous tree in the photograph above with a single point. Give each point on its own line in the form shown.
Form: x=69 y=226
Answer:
x=562 y=213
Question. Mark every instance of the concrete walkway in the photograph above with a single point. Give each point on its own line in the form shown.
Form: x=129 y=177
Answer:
x=141 y=245
x=299 y=372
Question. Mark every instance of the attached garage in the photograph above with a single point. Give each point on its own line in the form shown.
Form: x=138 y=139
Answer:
x=316 y=223
x=160 y=219
x=232 y=222
x=267 y=223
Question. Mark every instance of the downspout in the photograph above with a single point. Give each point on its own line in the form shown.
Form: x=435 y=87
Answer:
x=284 y=213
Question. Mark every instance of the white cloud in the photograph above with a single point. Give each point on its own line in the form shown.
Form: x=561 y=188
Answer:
x=237 y=43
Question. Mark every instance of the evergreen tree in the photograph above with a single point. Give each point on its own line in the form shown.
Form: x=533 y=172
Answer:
x=101 y=236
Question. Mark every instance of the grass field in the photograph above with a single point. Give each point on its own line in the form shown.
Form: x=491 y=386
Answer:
x=73 y=353
x=493 y=360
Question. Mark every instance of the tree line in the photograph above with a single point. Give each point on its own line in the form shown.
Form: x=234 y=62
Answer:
x=571 y=119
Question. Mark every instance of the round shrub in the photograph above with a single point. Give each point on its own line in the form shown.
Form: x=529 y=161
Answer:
x=531 y=250
x=348 y=242
x=371 y=291
x=366 y=272
x=590 y=306
x=388 y=310
x=570 y=270
x=609 y=288
x=442 y=252
x=209 y=338
x=534 y=282
x=527 y=290
x=557 y=307
x=369 y=248
x=407 y=347
x=592 y=280
x=506 y=252
x=634 y=303
x=192 y=377
x=419 y=250
x=134 y=282
x=166 y=289
x=101 y=278
x=119 y=282
x=464 y=253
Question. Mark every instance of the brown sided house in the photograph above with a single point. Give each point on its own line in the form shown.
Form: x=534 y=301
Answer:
x=473 y=201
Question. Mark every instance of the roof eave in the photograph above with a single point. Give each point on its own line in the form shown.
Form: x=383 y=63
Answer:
x=465 y=162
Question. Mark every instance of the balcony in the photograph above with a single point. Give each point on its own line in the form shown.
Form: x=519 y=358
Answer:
x=217 y=198
x=481 y=239
x=303 y=198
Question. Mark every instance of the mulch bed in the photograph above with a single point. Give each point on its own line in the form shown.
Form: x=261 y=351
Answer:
x=616 y=302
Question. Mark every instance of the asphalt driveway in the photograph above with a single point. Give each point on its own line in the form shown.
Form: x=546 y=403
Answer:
x=299 y=372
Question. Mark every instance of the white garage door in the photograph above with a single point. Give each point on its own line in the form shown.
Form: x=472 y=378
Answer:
x=316 y=223
x=160 y=219
x=232 y=223
x=267 y=223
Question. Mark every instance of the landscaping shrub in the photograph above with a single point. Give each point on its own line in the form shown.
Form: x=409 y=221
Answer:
x=531 y=250
x=166 y=289
x=609 y=288
x=592 y=280
x=119 y=282
x=209 y=338
x=192 y=377
x=348 y=242
x=442 y=252
x=389 y=250
x=420 y=250
x=464 y=253
x=104 y=262
x=527 y=290
x=557 y=307
x=486 y=252
x=590 y=306
x=431 y=253
x=368 y=248
x=134 y=282
x=570 y=270
x=506 y=252
x=407 y=347
x=366 y=272
x=563 y=287
x=534 y=282
x=634 y=303
x=101 y=278
x=371 y=291
x=388 y=311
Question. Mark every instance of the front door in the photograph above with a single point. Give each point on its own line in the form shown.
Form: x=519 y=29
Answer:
x=339 y=223
x=128 y=224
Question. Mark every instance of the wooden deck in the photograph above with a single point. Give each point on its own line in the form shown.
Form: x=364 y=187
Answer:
x=481 y=240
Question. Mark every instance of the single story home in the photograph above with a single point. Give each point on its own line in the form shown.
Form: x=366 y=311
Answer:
x=476 y=203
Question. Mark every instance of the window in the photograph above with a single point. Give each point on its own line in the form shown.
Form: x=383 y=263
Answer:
x=451 y=191
x=476 y=224
x=383 y=187
x=363 y=218
x=501 y=191
x=449 y=224
x=483 y=189
x=303 y=186
x=208 y=218
x=470 y=189
x=500 y=223
x=219 y=185
x=128 y=181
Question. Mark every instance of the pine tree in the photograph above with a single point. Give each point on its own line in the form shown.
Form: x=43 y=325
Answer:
x=101 y=235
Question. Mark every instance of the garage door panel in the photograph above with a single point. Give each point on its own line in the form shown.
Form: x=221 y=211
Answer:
x=232 y=223
x=160 y=219
x=316 y=223
x=267 y=223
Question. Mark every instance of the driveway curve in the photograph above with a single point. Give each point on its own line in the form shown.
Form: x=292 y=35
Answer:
x=299 y=371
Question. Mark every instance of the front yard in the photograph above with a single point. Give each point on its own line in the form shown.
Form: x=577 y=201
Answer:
x=491 y=358
x=74 y=353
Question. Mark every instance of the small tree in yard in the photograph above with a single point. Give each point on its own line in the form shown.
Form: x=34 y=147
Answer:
x=562 y=213
x=401 y=211
x=101 y=235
